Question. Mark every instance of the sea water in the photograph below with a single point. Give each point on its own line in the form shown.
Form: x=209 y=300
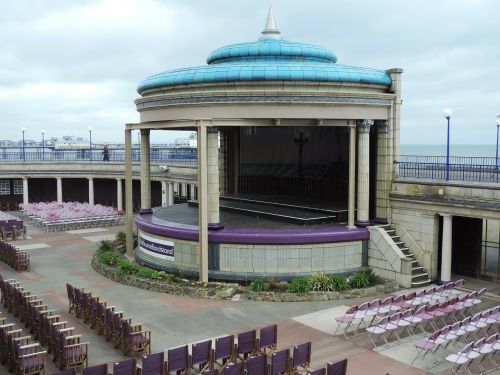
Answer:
x=455 y=150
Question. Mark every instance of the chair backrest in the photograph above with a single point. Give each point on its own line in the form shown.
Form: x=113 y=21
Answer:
x=209 y=372
x=445 y=330
x=440 y=289
x=455 y=326
x=467 y=348
x=247 y=341
x=337 y=368
x=420 y=309
x=387 y=301
x=421 y=293
x=408 y=313
x=479 y=343
x=431 y=308
x=459 y=283
x=352 y=309
x=430 y=291
x=301 y=355
x=279 y=362
x=449 y=286
x=268 y=336
x=395 y=317
x=434 y=335
x=475 y=317
x=233 y=369
x=125 y=367
x=398 y=299
x=444 y=304
x=224 y=347
x=178 y=359
x=96 y=370
x=153 y=364
x=493 y=338
x=257 y=365
x=465 y=322
x=201 y=352
x=364 y=306
x=480 y=292
x=320 y=371
x=375 y=303
x=410 y=296
x=383 y=321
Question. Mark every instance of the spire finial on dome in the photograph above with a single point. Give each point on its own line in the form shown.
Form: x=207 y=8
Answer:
x=271 y=31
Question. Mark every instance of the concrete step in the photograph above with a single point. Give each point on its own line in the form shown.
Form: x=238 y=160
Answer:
x=417 y=270
x=391 y=231
x=419 y=276
x=415 y=263
x=411 y=257
x=385 y=226
x=395 y=238
x=418 y=284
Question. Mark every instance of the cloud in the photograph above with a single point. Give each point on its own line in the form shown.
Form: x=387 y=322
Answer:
x=68 y=65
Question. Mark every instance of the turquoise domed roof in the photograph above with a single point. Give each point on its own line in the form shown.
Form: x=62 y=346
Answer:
x=268 y=59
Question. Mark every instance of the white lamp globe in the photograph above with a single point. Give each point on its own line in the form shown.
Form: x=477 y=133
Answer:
x=23 y=129
x=498 y=120
x=447 y=112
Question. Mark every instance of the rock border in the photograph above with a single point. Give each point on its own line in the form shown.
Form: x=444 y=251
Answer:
x=226 y=291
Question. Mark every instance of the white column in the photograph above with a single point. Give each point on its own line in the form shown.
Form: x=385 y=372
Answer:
x=383 y=172
x=213 y=178
x=129 y=204
x=364 y=172
x=59 y=189
x=182 y=190
x=170 y=193
x=202 y=203
x=446 y=248
x=164 y=193
x=192 y=188
x=119 y=195
x=25 y=191
x=91 y=190
x=145 y=173
x=352 y=178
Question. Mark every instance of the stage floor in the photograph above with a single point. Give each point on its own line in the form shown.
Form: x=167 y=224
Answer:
x=278 y=206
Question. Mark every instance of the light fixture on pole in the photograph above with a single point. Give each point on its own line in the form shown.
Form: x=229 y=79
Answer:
x=90 y=141
x=43 y=144
x=23 y=129
x=496 y=156
x=447 y=115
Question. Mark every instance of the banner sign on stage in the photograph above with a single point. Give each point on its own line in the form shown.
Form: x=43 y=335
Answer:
x=158 y=248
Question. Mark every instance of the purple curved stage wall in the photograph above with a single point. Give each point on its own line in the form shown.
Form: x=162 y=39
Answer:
x=332 y=234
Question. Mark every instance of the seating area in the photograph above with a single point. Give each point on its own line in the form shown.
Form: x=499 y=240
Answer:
x=22 y=353
x=11 y=227
x=239 y=354
x=447 y=317
x=54 y=216
x=14 y=257
x=109 y=322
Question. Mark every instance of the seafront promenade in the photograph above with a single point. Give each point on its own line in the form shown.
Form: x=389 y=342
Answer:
x=177 y=320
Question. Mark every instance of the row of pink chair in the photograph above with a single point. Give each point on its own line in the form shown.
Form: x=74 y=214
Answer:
x=476 y=353
x=366 y=313
x=460 y=330
x=420 y=318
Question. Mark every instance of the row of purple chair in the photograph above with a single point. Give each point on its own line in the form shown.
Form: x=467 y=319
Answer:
x=109 y=321
x=366 y=313
x=153 y=364
x=12 y=229
x=20 y=353
x=461 y=330
x=14 y=257
x=55 y=335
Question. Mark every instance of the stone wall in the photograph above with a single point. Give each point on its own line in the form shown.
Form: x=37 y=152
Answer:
x=232 y=261
x=386 y=259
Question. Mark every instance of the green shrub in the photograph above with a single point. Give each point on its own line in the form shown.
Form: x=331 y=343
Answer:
x=258 y=286
x=359 y=280
x=104 y=247
x=338 y=283
x=121 y=237
x=370 y=275
x=300 y=285
x=127 y=268
x=146 y=273
x=275 y=285
x=320 y=282
x=109 y=258
x=169 y=278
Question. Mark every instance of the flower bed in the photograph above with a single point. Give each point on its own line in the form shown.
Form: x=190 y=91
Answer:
x=110 y=262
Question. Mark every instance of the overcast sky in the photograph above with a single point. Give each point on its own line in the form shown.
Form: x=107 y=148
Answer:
x=67 y=65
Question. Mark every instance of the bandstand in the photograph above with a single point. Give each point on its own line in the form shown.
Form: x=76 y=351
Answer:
x=295 y=159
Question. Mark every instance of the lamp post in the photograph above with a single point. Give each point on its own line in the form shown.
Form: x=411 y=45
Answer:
x=23 y=129
x=90 y=141
x=43 y=144
x=496 y=156
x=447 y=115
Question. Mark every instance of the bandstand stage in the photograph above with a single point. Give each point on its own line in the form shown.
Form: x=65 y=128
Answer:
x=294 y=161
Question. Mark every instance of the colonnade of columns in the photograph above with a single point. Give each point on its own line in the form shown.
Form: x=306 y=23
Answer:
x=91 y=194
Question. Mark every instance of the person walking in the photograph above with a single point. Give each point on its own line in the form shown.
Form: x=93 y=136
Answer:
x=105 y=153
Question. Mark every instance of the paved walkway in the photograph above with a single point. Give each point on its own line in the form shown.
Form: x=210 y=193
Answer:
x=62 y=257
